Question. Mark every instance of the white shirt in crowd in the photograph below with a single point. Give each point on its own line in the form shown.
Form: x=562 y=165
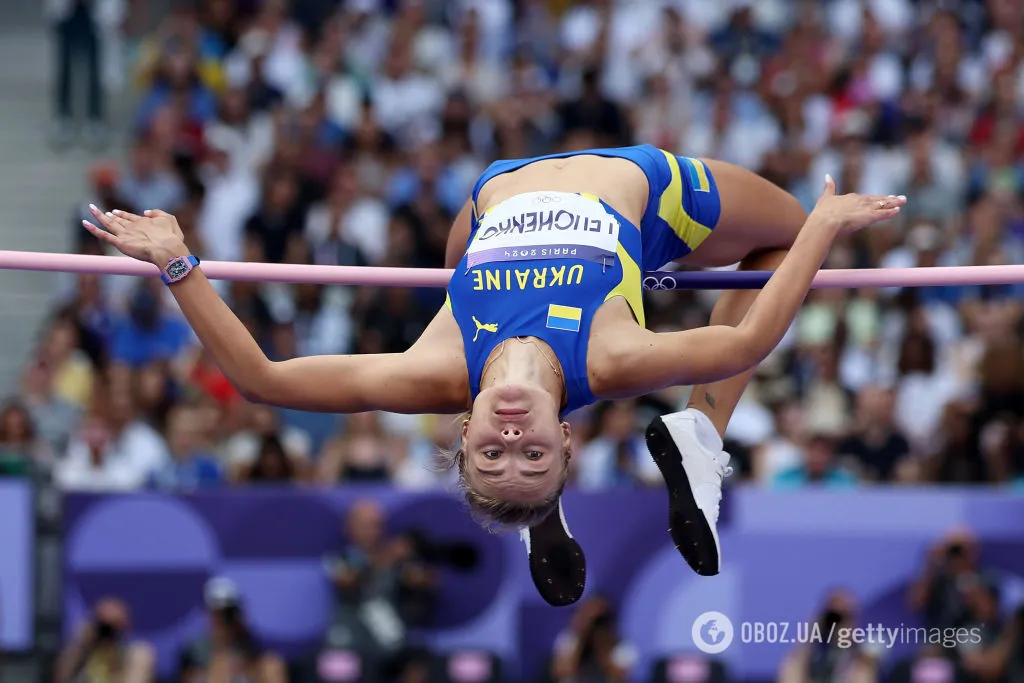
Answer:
x=126 y=465
x=364 y=225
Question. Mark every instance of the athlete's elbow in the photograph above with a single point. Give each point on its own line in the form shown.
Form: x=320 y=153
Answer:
x=749 y=348
x=258 y=386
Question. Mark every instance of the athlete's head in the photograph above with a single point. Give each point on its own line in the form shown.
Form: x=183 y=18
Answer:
x=514 y=456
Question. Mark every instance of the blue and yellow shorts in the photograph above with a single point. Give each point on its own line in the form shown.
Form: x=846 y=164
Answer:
x=685 y=208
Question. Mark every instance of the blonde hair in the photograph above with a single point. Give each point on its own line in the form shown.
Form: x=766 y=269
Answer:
x=494 y=514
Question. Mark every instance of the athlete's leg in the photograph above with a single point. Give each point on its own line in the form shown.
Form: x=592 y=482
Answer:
x=759 y=222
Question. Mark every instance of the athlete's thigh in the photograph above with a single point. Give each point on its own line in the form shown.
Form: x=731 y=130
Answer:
x=757 y=215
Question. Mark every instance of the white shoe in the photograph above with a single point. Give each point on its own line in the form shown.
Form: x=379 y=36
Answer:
x=694 y=476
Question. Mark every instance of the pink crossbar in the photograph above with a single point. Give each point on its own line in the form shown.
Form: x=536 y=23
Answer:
x=427 y=277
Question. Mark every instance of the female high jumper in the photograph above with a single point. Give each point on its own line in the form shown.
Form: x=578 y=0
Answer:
x=544 y=315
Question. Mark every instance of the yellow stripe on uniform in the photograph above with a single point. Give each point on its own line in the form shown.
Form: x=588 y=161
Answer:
x=448 y=302
x=567 y=312
x=592 y=197
x=672 y=211
x=630 y=287
x=702 y=174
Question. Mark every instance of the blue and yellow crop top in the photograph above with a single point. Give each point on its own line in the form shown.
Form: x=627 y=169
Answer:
x=540 y=264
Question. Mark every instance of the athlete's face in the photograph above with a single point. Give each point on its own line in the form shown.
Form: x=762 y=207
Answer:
x=515 y=444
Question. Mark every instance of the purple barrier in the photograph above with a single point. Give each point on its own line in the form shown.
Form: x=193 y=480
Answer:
x=782 y=552
x=16 y=550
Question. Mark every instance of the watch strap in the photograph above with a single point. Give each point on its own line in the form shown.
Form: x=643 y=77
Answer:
x=170 y=279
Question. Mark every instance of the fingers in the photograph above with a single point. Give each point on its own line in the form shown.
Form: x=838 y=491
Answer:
x=156 y=213
x=100 y=234
x=126 y=215
x=889 y=202
x=108 y=220
x=830 y=185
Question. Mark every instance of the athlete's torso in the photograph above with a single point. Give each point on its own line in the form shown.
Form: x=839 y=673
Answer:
x=553 y=239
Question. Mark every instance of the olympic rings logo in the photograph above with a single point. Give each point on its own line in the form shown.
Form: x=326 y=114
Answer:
x=654 y=283
x=546 y=199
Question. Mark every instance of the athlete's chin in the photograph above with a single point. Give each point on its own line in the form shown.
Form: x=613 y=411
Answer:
x=514 y=399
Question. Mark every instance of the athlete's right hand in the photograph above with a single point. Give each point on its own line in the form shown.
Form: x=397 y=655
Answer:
x=154 y=237
x=851 y=212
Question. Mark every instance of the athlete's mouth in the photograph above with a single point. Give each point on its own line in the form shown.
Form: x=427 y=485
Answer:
x=511 y=412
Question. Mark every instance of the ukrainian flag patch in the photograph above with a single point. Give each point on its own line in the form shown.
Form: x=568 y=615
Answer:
x=564 y=318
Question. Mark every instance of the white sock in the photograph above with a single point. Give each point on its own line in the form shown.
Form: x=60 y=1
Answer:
x=706 y=432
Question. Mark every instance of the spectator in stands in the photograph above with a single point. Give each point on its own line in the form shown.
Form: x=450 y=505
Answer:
x=114 y=450
x=348 y=228
x=72 y=369
x=101 y=652
x=190 y=467
x=786 y=449
x=54 y=417
x=826 y=658
x=590 y=650
x=594 y=113
x=148 y=333
x=150 y=182
x=382 y=589
x=259 y=423
x=617 y=455
x=278 y=221
x=364 y=453
x=419 y=469
x=959 y=458
x=820 y=467
x=78 y=27
x=177 y=82
x=877 y=446
x=228 y=651
x=22 y=452
x=272 y=465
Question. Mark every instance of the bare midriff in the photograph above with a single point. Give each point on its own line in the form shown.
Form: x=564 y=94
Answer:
x=619 y=182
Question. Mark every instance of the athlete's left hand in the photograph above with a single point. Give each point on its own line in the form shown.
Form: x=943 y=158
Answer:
x=154 y=237
x=851 y=212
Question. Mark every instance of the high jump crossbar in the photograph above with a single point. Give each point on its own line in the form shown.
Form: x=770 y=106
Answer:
x=436 y=277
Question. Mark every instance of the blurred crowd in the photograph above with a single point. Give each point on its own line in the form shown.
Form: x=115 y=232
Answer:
x=351 y=132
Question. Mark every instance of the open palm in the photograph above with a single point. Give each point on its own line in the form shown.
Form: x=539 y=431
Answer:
x=154 y=237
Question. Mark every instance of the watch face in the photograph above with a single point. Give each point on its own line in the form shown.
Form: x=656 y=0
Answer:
x=177 y=269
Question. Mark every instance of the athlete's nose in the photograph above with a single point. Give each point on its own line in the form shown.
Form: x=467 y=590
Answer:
x=511 y=433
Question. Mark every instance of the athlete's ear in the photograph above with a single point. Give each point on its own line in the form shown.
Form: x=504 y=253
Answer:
x=566 y=439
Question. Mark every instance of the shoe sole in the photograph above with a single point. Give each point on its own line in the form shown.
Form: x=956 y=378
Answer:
x=689 y=528
x=558 y=566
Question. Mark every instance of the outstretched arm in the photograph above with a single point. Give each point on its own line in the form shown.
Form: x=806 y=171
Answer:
x=423 y=379
x=650 y=361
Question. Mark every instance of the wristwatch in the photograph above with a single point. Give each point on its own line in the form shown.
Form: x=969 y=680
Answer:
x=178 y=268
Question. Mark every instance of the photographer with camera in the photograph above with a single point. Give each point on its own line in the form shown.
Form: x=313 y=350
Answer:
x=940 y=594
x=229 y=653
x=100 y=652
x=590 y=650
x=382 y=587
x=830 y=662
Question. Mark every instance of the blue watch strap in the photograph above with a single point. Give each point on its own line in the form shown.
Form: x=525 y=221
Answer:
x=191 y=259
